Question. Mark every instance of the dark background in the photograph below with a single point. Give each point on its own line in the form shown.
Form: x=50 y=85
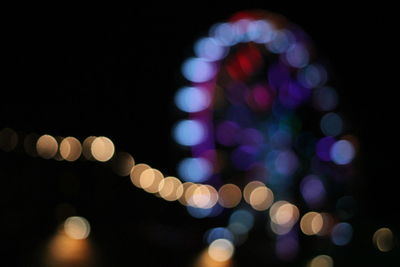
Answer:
x=112 y=70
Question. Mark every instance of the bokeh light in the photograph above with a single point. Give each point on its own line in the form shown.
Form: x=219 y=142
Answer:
x=229 y=195
x=77 y=227
x=192 y=99
x=122 y=163
x=311 y=223
x=383 y=239
x=8 y=139
x=198 y=70
x=321 y=261
x=194 y=169
x=342 y=152
x=136 y=173
x=70 y=148
x=261 y=198
x=221 y=250
x=150 y=180
x=189 y=132
x=87 y=147
x=47 y=146
x=342 y=234
x=169 y=188
x=102 y=149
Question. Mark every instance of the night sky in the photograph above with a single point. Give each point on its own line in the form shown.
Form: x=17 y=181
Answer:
x=113 y=70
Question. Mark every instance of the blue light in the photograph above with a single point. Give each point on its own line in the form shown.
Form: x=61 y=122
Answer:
x=331 y=124
x=198 y=70
x=281 y=42
x=209 y=49
x=217 y=233
x=194 y=169
x=341 y=234
x=325 y=98
x=189 y=132
x=198 y=212
x=297 y=56
x=224 y=33
x=312 y=76
x=342 y=152
x=192 y=99
x=260 y=31
x=243 y=218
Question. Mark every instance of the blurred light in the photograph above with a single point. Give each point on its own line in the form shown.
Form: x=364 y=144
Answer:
x=47 y=146
x=325 y=98
x=383 y=239
x=224 y=33
x=218 y=233
x=210 y=49
x=286 y=247
x=321 y=261
x=281 y=42
x=227 y=132
x=30 y=144
x=297 y=56
x=58 y=155
x=182 y=190
x=311 y=223
x=192 y=99
x=189 y=132
x=249 y=188
x=123 y=163
x=243 y=218
x=312 y=190
x=102 y=149
x=203 y=196
x=150 y=180
x=199 y=213
x=261 y=198
x=8 y=139
x=77 y=227
x=280 y=229
x=229 y=195
x=341 y=234
x=136 y=172
x=206 y=261
x=87 y=147
x=194 y=169
x=286 y=162
x=327 y=224
x=169 y=188
x=198 y=70
x=342 y=152
x=260 y=31
x=312 y=76
x=70 y=148
x=221 y=250
x=284 y=213
x=323 y=148
x=331 y=124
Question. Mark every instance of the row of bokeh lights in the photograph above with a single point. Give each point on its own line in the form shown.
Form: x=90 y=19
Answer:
x=201 y=200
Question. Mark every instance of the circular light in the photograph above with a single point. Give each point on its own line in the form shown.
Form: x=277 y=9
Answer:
x=87 y=147
x=70 y=148
x=8 y=139
x=192 y=99
x=312 y=76
x=243 y=218
x=150 y=180
x=102 y=149
x=169 y=188
x=218 y=233
x=321 y=261
x=229 y=195
x=189 y=132
x=221 y=250
x=77 y=227
x=210 y=49
x=341 y=234
x=123 y=163
x=47 y=146
x=331 y=124
x=198 y=70
x=297 y=56
x=311 y=223
x=260 y=31
x=249 y=188
x=261 y=198
x=224 y=33
x=342 y=152
x=383 y=239
x=136 y=172
x=194 y=169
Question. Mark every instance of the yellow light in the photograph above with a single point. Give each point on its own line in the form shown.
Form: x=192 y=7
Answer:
x=261 y=198
x=168 y=188
x=284 y=213
x=150 y=180
x=8 y=139
x=87 y=147
x=321 y=261
x=311 y=223
x=30 y=144
x=182 y=189
x=136 y=172
x=70 y=148
x=229 y=195
x=47 y=146
x=77 y=227
x=221 y=250
x=203 y=196
x=383 y=239
x=249 y=188
x=102 y=149
x=123 y=163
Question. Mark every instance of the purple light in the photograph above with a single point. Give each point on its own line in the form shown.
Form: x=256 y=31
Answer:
x=286 y=247
x=286 y=162
x=251 y=137
x=312 y=190
x=227 y=132
x=243 y=157
x=291 y=94
x=324 y=148
x=198 y=70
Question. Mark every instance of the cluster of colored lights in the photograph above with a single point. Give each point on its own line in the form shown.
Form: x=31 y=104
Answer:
x=251 y=79
x=254 y=82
